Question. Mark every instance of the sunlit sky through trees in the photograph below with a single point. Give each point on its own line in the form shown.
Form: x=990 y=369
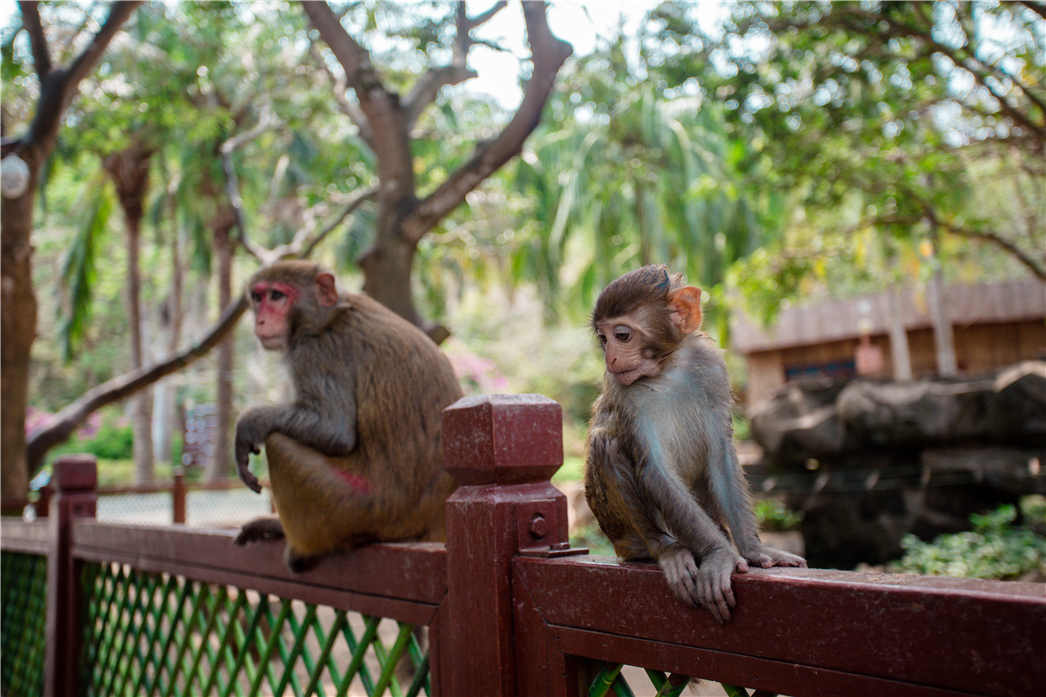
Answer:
x=580 y=23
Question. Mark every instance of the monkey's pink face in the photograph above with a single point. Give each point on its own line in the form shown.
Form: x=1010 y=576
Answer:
x=625 y=351
x=272 y=303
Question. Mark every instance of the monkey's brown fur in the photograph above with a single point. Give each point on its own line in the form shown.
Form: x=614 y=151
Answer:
x=357 y=457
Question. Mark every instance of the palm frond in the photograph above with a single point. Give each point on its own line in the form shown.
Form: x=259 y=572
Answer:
x=79 y=266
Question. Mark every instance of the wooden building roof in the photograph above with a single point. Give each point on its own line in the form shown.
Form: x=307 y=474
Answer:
x=1009 y=301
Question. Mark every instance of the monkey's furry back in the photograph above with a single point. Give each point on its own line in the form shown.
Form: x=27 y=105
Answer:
x=402 y=382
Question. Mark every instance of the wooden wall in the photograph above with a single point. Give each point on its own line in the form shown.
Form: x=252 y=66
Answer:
x=980 y=348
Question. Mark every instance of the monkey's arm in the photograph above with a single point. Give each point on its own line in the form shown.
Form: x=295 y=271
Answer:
x=332 y=431
x=685 y=518
x=731 y=492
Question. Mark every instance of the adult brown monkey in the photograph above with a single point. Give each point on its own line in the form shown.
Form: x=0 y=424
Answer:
x=357 y=456
x=662 y=476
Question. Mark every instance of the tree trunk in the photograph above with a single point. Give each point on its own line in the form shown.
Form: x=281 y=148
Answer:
x=943 y=336
x=141 y=403
x=18 y=328
x=129 y=170
x=902 y=357
x=58 y=86
x=166 y=419
x=387 y=268
x=218 y=466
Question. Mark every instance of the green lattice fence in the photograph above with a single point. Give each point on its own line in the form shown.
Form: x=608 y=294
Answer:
x=158 y=634
x=610 y=680
x=23 y=584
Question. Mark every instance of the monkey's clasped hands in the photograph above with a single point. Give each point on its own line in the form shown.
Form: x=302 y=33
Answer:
x=662 y=474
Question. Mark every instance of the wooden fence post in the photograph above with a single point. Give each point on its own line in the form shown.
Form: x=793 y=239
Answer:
x=178 y=494
x=502 y=450
x=43 y=504
x=76 y=479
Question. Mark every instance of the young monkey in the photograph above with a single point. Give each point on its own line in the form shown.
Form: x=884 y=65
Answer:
x=662 y=476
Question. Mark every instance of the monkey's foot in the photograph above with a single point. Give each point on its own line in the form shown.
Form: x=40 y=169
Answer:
x=298 y=563
x=259 y=529
x=712 y=582
x=681 y=572
x=765 y=557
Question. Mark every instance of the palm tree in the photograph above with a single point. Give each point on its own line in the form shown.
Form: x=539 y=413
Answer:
x=650 y=180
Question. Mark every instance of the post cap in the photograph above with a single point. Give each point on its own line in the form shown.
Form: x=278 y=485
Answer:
x=75 y=473
x=503 y=439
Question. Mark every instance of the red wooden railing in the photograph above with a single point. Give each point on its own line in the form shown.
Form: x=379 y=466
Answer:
x=512 y=610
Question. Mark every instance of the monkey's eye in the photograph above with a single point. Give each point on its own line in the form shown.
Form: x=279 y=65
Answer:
x=622 y=334
x=277 y=295
x=602 y=338
x=256 y=296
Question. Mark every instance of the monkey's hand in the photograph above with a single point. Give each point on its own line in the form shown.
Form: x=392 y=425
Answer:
x=602 y=446
x=706 y=585
x=244 y=447
x=765 y=557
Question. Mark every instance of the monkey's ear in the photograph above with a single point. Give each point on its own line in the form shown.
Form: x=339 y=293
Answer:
x=327 y=289
x=684 y=304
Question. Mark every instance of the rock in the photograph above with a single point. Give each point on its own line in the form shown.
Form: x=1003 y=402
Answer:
x=1021 y=397
x=868 y=461
x=912 y=413
x=818 y=419
x=799 y=419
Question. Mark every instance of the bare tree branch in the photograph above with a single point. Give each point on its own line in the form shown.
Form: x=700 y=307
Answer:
x=1037 y=267
x=427 y=88
x=58 y=86
x=37 y=38
x=484 y=17
x=307 y=238
x=354 y=59
x=358 y=118
x=305 y=245
x=70 y=44
x=232 y=182
x=119 y=12
x=71 y=417
x=549 y=54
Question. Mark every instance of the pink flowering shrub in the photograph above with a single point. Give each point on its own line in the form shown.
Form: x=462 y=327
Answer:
x=109 y=436
x=477 y=375
x=36 y=419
